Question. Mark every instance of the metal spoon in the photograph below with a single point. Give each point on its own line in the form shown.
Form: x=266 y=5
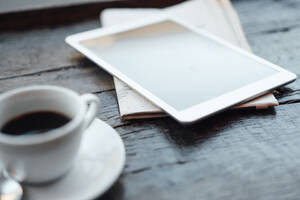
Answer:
x=9 y=188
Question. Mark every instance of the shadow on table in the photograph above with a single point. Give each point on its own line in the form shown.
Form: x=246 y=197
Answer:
x=115 y=192
x=223 y=122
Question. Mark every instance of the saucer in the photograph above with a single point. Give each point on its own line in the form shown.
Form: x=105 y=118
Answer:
x=99 y=164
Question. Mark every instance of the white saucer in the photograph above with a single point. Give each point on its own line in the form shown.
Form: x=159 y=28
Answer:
x=100 y=162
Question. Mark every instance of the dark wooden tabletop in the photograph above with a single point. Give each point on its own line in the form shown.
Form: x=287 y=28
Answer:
x=239 y=154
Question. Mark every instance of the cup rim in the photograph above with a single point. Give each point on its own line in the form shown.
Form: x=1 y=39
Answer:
x=50 y=135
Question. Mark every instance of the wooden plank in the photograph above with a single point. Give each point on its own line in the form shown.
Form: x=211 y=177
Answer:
x=238 y=154
x=79 y=78
x=268 y=16
x=241 y=154
x=37 y=50
x=109 y=109
x=277 y=45
x=273 y=31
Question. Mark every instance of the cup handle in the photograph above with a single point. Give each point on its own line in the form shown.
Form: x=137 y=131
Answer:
x=93 y=103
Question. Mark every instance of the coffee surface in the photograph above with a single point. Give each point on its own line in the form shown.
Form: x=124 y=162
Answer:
x=34 y=123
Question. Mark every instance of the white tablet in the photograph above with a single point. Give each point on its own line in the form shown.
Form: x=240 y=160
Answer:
x=186 y=71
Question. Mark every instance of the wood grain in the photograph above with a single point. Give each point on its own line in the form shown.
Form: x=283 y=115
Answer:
x=266 y=16
x=80 y=78
x=238 y=154
x=234 y=155
x=36 y=50
x=272 y=29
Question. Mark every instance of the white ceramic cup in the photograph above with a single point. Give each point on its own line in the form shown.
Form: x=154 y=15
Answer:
x=46 y=156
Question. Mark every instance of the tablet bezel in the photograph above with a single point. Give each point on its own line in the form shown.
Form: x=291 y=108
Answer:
x=200 y=110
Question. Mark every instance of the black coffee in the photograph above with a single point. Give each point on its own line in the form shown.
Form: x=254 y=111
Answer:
x=34 y=123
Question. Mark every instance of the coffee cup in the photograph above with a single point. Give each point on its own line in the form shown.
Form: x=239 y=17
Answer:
x=48 y=155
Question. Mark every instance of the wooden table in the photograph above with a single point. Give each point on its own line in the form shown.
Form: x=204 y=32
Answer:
x=238 y=154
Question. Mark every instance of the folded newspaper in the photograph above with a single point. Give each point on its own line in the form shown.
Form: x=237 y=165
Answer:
x=216 y=16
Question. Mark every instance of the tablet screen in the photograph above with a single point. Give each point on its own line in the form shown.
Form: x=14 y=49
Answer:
x=177 y=65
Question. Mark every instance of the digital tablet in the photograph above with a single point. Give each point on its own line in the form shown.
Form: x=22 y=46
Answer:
x=186 y=71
